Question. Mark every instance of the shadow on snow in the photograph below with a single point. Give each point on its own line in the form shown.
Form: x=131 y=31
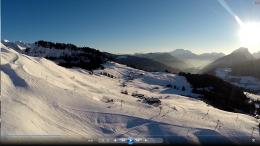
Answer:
x=17 y=80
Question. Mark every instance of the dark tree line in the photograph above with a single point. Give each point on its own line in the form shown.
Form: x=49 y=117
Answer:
x=63 y=46
x=51 y=45
x=219 y=93
x=83 y=57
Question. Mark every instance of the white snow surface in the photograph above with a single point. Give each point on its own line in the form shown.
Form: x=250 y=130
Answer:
x=55 y=103
x=246 y=82
x=253 y=97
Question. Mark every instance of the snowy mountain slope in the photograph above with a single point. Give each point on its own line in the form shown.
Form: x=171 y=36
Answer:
x=18 y=45
x=239 y=68
x=253 y=96
x=42 y=98
x=248 y=82
x=68 y=55
x=149 y=81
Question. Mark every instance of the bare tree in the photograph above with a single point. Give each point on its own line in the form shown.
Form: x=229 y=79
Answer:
x=218 y=125
x=160 y=109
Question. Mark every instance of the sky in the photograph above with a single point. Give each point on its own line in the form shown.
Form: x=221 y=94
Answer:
x=129 y=26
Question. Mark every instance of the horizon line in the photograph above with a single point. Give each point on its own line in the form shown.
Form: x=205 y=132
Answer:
x=143 y=52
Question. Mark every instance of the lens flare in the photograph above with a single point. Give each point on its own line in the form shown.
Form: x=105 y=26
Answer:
x=229 y=10
x=249 y=34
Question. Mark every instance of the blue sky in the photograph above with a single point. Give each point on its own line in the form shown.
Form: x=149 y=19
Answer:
x=129 y=26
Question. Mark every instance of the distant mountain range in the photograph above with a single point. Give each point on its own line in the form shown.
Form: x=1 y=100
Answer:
x=165 y=58
x=186 y=54
x=241 y=63
x=238 y=56
x=196 y=61
x=17 y=45
x=183 y=60
x=145 y=64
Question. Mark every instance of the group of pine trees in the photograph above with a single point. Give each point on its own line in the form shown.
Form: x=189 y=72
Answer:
x=83 y=57
x=219 y=93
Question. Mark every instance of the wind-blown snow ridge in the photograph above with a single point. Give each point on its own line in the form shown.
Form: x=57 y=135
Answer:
x=42 y=98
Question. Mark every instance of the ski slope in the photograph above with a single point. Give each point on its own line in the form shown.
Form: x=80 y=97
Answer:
x=42 y=101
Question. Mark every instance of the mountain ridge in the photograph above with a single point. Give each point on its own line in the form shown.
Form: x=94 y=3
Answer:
x=237 y=56
x=165 y=58
x=182 y=53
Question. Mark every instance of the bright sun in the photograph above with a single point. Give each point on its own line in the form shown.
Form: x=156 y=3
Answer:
x=250 y=34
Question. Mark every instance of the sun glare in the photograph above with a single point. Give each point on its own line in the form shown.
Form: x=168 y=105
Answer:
x=250 y=34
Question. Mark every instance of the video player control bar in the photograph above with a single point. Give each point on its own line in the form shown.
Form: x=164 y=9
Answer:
x=130 y=140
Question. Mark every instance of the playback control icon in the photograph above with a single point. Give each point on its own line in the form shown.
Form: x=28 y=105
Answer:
x=130 y=140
